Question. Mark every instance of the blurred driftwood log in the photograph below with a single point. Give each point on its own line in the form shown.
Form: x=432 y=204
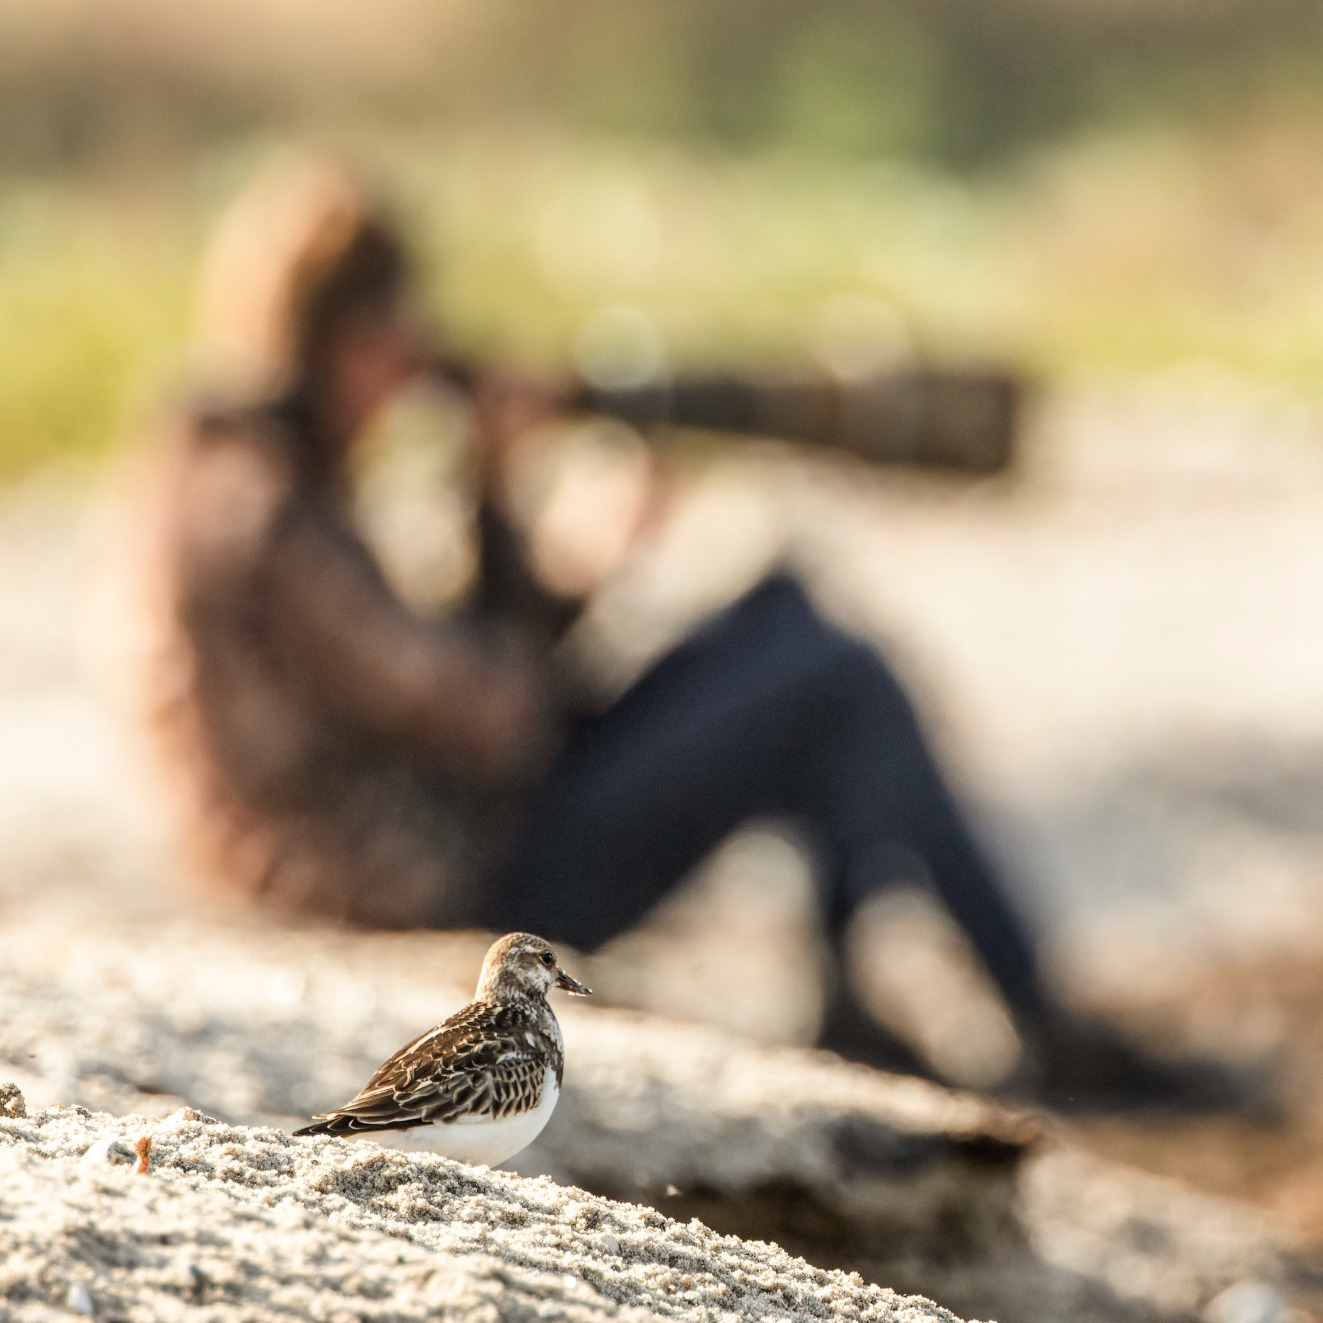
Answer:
x=915 y=1187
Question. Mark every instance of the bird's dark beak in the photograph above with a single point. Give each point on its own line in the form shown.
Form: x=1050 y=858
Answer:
x=572 y=985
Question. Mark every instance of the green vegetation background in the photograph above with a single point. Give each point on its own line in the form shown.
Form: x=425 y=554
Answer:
x=1097 y=186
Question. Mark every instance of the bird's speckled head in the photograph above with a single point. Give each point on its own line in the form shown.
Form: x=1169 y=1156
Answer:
x=522 y=965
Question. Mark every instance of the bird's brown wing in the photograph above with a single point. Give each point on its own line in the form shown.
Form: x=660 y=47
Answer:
x=485 y=1061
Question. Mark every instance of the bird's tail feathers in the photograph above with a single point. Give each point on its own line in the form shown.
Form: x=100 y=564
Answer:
x=325 y=1127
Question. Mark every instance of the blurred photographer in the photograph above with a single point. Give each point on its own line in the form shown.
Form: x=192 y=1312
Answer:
x=338 y=755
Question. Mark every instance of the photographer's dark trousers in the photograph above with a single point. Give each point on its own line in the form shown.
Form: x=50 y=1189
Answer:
x=766 y=712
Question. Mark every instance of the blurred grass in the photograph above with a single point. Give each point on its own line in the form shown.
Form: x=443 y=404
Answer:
x=1116 y=186
x=91 y=304
x=1116 y=255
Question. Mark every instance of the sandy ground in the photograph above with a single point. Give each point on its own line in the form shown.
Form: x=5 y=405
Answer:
x=224 y=1222
x=1120 y=651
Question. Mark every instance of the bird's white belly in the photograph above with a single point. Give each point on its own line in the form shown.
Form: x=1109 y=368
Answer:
x=485 y=1142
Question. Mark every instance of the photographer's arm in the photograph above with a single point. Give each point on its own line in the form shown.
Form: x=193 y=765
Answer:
x=474 y=697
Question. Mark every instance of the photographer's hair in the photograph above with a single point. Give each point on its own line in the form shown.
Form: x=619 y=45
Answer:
x=304 y=248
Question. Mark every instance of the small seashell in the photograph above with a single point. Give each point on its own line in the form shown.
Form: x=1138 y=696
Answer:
x=606 y=1243
x=80 y=1300
x=108 y=1151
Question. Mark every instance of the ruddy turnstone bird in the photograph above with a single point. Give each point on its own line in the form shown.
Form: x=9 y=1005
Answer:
x=488 y=1077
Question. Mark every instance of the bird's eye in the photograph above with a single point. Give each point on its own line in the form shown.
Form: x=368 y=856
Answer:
x=548 y=959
